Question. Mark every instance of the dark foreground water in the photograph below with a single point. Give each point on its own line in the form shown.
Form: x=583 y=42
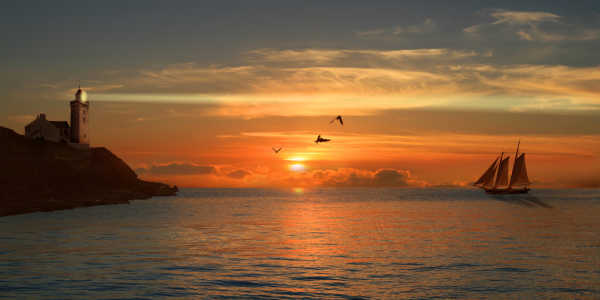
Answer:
x=314 y=244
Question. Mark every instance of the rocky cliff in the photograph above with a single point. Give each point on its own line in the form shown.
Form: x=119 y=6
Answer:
x=36 y=175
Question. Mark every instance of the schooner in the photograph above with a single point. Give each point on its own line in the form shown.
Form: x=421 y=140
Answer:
x=499 y=171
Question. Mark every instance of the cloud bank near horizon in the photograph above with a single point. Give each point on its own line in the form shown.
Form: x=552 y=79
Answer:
x=227 y=176
x=192 y=175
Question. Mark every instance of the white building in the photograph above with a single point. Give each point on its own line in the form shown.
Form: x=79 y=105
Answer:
x=54 y=131
x=77 y=135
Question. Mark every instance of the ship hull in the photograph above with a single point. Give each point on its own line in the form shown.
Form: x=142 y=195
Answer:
x=506 y=191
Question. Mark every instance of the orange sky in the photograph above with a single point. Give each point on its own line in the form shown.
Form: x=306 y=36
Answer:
x=428 y=99
x=423 y=148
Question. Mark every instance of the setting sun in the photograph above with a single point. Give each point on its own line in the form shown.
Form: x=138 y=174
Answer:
x=297 y=168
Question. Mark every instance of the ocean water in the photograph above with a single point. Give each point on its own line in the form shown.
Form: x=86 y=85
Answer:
x=311 y=244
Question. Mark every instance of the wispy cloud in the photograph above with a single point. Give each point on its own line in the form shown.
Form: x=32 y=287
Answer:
x=375 y=32
x=22 y=119
x=313 y=81
x=523 y=17
x=314 y=55
x=260 y=87
x=325 y=55
x=424 y=27
x=532 y=26
x=397 y=54
x=575 y=83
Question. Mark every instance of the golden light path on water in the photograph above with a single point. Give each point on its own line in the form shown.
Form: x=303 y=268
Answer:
x=311 y=244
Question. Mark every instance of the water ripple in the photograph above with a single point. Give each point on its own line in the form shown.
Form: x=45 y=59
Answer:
x=322 y=244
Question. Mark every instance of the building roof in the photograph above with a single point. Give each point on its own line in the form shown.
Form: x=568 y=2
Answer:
x=60 y=124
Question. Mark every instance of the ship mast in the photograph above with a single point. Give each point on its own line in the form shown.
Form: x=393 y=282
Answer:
x=517 y=154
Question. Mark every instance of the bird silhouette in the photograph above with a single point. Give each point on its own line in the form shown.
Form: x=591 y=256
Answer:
x=338 y=118
x=320 y=139
x=276 y=151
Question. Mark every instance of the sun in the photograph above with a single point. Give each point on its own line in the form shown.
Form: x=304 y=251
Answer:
x=297 y=168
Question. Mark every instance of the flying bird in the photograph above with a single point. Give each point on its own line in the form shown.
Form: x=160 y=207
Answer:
x=320 y=139
x=338 y=118
x=276 y=151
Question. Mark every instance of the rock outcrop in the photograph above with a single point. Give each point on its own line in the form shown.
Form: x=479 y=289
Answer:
x=36 y=175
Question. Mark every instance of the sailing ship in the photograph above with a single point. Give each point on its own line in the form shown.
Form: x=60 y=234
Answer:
x=495 y=179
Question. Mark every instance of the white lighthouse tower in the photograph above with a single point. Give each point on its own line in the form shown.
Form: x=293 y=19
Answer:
x=80 y=122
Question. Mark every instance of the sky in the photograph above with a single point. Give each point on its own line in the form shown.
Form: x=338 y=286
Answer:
x=197 y=93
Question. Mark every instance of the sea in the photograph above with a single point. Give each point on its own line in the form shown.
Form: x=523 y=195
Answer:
x=440 y=243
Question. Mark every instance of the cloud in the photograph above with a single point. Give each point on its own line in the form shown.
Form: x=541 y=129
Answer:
x=349 y=177
x=261 y=170
x=372 y=32
x=326 y=55
x=314 y=55
x=100 y=87
x=189 y=78
x=581 y=82
x=424 y=27
x=175 y=169
x=553 y=105
x=22 y=119
x=523 y=17
x=552 y=144
x=396 y=54
x=195 y=175
x=400 y=79
x=532 y=26
x=536 y=79
x=313 y=81
x=238 y=174
x=463 y=53
x=260 y=79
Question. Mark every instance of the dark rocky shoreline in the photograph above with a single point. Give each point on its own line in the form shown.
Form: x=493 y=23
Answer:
x=36 y=176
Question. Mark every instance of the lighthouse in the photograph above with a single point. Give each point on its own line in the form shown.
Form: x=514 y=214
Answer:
x=80 y=121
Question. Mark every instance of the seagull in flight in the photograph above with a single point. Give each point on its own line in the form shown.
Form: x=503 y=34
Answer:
x=337 y=118
x=276 y=151
x=320 y=139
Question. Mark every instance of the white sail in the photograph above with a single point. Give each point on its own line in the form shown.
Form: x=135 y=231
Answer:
x=487 y=177
x=502 y=177
x=519 y=174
